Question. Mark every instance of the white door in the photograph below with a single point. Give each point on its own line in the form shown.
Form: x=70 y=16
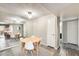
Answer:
x=72 y=32
x=51 y=32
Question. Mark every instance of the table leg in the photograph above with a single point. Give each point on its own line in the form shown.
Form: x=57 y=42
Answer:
x=22 y=48
x=37 y=50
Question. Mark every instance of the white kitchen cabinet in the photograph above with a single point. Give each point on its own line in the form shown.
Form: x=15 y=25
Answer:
x=52 y=33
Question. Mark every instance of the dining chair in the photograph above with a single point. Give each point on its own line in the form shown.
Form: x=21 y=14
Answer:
x=29 y=47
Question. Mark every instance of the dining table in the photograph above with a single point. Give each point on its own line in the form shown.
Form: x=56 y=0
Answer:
x=34 y=39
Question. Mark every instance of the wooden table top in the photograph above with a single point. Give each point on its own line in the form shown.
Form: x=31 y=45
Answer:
x=32 y=38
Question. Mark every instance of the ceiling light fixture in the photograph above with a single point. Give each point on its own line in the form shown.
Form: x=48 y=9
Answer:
x=29 y=14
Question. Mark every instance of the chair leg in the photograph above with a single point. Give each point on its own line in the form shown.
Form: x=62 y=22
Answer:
x=32 y=53
x=26 y=52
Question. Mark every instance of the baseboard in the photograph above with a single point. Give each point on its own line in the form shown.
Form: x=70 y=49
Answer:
x=43 y=44
x=50 y=46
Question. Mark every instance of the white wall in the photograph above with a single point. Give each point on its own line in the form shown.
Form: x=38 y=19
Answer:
x=70 y=31
x=61 y=27
x=28 y=28
x=38 y=27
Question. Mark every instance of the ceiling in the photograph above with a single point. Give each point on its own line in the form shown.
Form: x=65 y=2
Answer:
x=11 y=11
x=66 y=10
x=18 y=11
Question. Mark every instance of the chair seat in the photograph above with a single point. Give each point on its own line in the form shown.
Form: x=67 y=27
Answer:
x=29 y=46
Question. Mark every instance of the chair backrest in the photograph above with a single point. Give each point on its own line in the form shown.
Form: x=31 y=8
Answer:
x=29 y=46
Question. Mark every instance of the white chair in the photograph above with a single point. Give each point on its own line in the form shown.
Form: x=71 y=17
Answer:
x=29 y=47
